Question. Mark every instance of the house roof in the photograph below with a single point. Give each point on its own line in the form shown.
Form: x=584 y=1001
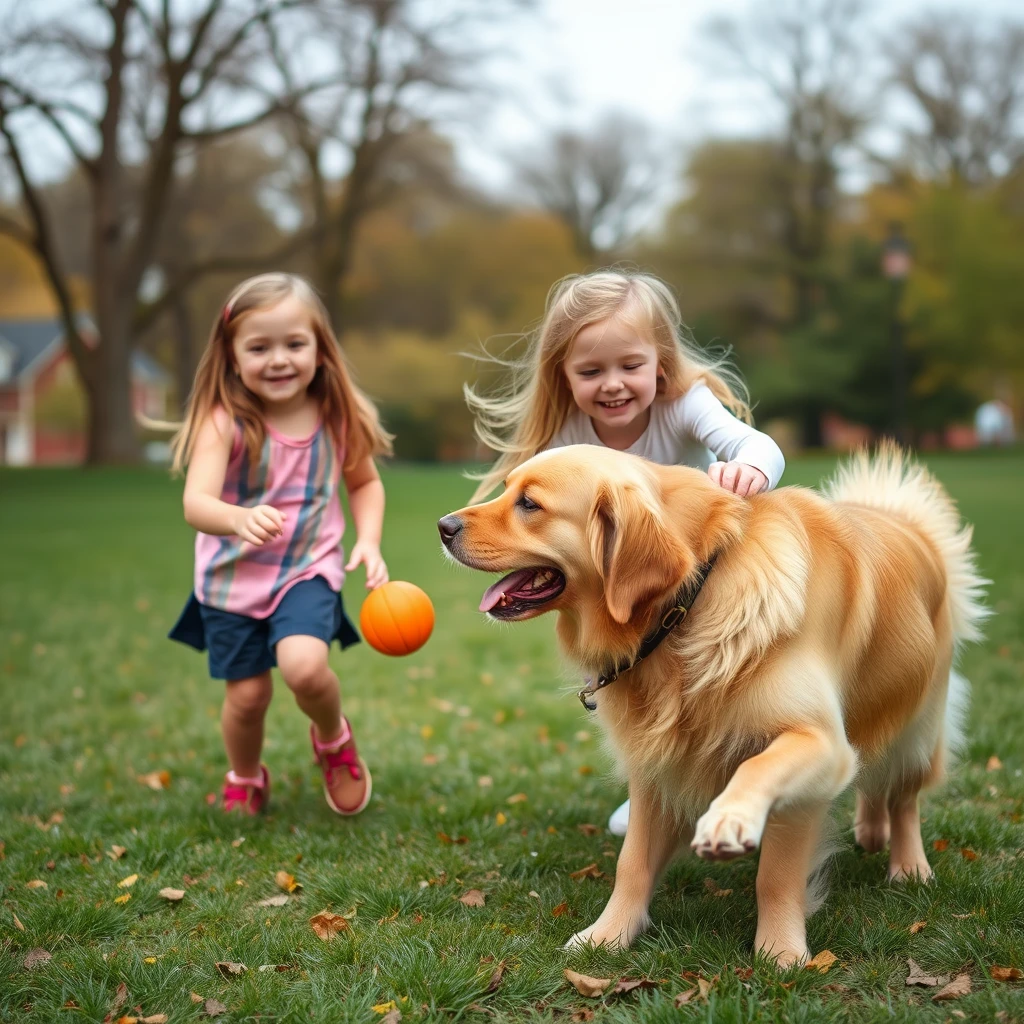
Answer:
x=31 y=340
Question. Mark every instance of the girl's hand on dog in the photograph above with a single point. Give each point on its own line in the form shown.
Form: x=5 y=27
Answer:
x=738 y=477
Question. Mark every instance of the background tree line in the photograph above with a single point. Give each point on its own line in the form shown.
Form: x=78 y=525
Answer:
x=227 y=138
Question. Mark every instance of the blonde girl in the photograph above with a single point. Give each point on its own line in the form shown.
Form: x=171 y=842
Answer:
x=613 y=364
x=274 y=424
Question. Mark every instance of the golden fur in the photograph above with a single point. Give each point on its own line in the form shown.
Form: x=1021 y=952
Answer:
x=818 y=654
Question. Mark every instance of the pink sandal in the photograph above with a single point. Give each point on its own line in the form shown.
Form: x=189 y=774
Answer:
x=250 y=795
x=341 y=755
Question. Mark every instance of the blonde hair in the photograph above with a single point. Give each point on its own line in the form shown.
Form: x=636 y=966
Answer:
x=521 y=418
x=350 y=416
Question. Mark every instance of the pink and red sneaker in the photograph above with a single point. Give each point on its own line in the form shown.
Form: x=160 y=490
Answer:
x=347 y=781
x=248 y=795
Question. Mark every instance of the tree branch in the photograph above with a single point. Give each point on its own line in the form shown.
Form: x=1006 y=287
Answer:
x=49 y=111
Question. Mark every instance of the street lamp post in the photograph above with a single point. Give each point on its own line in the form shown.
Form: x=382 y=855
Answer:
x=896 y=264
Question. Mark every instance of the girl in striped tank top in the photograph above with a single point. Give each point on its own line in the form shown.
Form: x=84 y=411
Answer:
x=274 y=425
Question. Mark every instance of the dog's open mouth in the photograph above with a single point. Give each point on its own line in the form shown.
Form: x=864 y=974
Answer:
x=522 y=592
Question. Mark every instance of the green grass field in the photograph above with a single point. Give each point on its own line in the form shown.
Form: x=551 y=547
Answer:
x=485 y=769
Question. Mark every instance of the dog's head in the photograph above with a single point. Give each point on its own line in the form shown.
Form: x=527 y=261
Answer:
x=592 y=531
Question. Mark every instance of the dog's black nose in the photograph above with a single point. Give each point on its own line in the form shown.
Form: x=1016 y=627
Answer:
x=448 y=527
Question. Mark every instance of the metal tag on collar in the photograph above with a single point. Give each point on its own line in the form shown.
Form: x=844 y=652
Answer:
x=674 y=616
x=586 y=696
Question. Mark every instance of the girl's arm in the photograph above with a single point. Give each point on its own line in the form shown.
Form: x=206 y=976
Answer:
x=735 y=443
x=204 y=482
x=366 y=500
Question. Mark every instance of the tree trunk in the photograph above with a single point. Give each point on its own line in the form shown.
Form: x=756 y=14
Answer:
x=185 y=356
x=112 y=435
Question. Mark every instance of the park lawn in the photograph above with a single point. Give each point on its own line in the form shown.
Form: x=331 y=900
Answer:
x=486 y=771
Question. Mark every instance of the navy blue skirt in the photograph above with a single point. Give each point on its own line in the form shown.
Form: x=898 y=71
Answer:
x=240 y=646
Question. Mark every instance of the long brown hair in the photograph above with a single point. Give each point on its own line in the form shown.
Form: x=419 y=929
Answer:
x=350 y=417
x=522 y=417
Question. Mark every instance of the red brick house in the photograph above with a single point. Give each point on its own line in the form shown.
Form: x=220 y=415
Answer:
x=42 y=406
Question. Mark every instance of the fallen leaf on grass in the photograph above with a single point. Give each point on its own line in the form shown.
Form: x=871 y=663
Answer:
x=822 y=962
x=120 y=997
x=582 y=1015
x=392 y=1016
x=918 y=926
x=499 y=972
x=124 y=898
x=993 y=764
x=55 y=819
x=213 y=1007
x=287 y=882
x=229 y=969
x=585 y=985
x=279 y=968
x=172 y=895
x=473 y=898
x=589 y=830
x=968 y=854
x=517 y=798
x=700 y=992
x=562 y=908
x=448 y=840
x=624 y=985
x=1006 y=973
x=195 y=997
x=127 y=883
x=940 y=844
x=918 y=977
x=743 y=973
x=117 y=852
x=36 y=958
x=590 y=871
x=156 y=780
x=385 y=1007
x=430 y=760
x=484 y=781
x=154 y=1018
x=275 y=901
x=327 y=925
x=500 y=819
x=964 y=917
x=712 y=887
x=959 y=986
x=17 y=923
x=36 y=883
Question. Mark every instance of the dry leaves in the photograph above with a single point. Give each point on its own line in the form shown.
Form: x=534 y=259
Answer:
x=940 y=844
x=327 y=925
x=918 y=926
x=589 y=830
x=117 y=852
x=496 y=976
x=700 y=992
x=993 y=764
x=473 y=898
x=959 y=986
x=213 y=1007
x=590 y=871
x=500 y=819
x=562 y=908
x=36 y=883
x=156 y=780
x=127 y=883
x=968 y=854
x=918 y=977
x=517 y=798
x=392 y=1016
x=624 y=985
x=17 y=923
x=287 y=882
x=712 y=887
x=37 y=958
x=1006 y=973
x=585 y=985
x=230 y=970
x=172 y=895
x=448 y=840
x=275 y=901
x=822 y=962
x=385 y=1007
x=124 y=898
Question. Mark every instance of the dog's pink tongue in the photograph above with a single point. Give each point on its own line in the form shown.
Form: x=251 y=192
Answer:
x=507 y=584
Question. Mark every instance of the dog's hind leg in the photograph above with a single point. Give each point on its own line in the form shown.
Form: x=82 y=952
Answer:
x=871 y=821
x=788 y=851
x=653 y=836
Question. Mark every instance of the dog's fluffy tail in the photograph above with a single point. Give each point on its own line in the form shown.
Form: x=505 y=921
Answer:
x=891 y=481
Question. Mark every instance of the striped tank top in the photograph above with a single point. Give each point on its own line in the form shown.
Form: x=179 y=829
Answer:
x=299 y=477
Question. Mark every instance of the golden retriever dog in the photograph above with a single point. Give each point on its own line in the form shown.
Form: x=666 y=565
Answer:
x=817 y=654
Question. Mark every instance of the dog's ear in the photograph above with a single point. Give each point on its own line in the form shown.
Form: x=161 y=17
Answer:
x=635 y=554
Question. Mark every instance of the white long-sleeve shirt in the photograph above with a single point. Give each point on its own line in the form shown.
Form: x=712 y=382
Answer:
x=693 y=430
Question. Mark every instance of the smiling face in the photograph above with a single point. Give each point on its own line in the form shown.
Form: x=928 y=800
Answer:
x=612 y=372
x=275 y=353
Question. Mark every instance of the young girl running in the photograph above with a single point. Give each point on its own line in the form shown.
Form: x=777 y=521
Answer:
x=612 y=364
x=273 y=424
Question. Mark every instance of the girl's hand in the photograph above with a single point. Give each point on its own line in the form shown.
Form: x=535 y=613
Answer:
x=259 y=524
x=369 y=554
x=738 y=477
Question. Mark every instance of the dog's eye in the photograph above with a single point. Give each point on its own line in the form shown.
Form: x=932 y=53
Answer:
x=527 y=504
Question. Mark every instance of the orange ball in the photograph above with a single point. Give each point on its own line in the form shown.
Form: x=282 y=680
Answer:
x=397 y=618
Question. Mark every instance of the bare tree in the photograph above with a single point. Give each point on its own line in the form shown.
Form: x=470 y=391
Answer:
x=966 y=81
x=594 y=181
x=807 y=60
x=403 y=64
x=126 y=89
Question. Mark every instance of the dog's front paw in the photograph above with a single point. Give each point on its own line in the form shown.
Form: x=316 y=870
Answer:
x=726 y=832
x=615 y=935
